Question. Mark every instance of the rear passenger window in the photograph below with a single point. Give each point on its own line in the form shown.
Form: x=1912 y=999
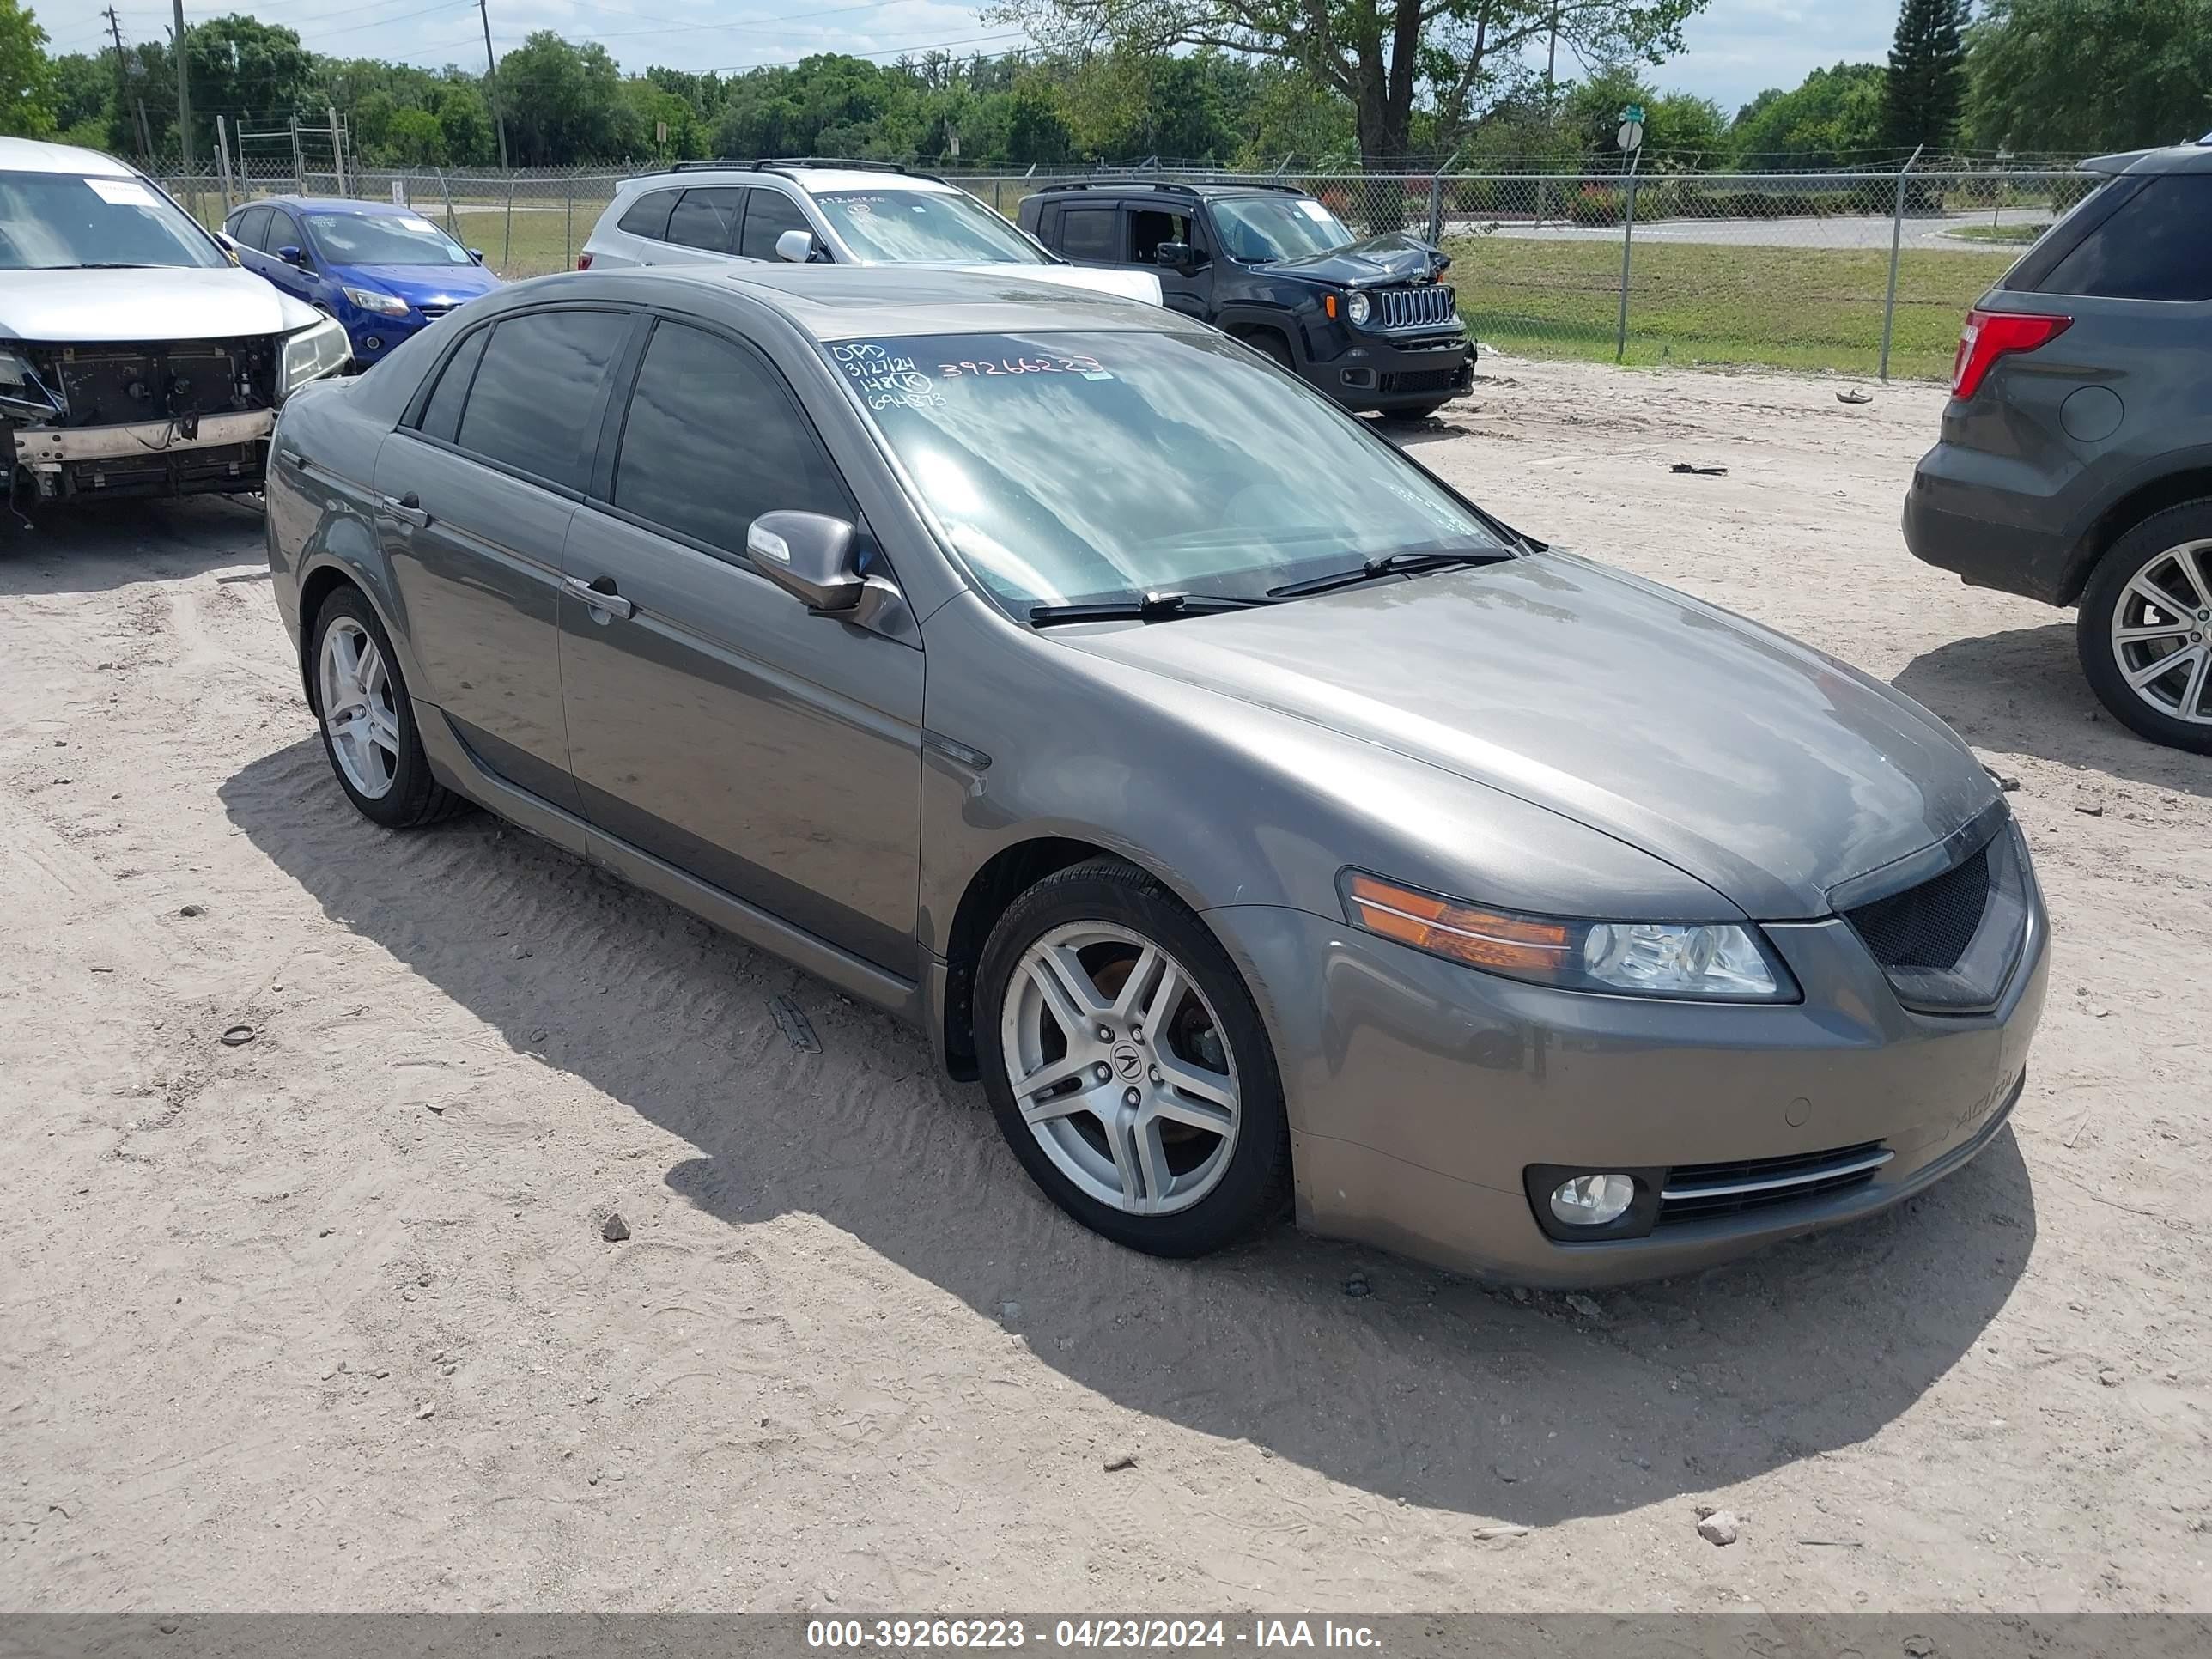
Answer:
x=768 y=216
x=649 y=215
x=534 y=393
x=713 y=441
x=707 y=219
x=2157 y=246
x=1088 y=232
x=442 y=414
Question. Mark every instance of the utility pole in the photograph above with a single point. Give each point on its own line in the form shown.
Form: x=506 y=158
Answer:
x=184 y=93
x=491 y=82
x=1551 y=60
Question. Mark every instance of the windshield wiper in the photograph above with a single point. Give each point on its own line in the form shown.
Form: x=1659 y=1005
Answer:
x=101 y=265
x=1150 y=607
x=1390 y=564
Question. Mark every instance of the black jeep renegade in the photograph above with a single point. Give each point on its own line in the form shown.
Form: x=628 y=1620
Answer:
x=1370 y=322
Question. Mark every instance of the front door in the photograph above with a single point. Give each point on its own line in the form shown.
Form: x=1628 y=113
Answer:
x=477 y=498
x=1187 y=290
x=713 y=721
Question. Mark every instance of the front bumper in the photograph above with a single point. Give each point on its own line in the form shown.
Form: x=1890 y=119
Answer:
x=1381 y=373
x=1420 y=1091
x=223 y=454
x=375 y=338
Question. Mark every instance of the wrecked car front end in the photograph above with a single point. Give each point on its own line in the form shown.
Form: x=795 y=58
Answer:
x=161 y=417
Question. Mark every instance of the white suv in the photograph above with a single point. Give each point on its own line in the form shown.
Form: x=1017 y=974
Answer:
x=814 y=212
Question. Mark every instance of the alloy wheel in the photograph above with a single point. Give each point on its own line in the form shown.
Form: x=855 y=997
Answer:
x=2161 y=632
x=1120 y=1067
x=357 y=709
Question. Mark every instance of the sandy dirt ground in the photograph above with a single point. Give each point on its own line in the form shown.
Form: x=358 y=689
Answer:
x=326 y=1321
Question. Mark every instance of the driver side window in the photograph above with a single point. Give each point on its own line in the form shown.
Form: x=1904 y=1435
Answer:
x=678 y=467
x=1148 y=228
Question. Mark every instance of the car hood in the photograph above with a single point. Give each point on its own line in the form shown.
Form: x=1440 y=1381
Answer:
x=423 y=284
x=166 y=302
x=1124 y=284
x=1396 y=258
x=1765 y=769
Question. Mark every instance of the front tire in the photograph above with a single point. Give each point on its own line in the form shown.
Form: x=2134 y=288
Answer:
x=367 y=720
x=1127 y=1065
x=2144 y=634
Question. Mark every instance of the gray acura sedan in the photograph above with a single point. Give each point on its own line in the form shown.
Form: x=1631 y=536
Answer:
x=1264 y=824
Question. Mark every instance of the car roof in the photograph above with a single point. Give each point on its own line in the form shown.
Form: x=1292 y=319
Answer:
x=813 y=178
x=847 y=302
x=339 y=204
x=2172 y=158
x=35 y=156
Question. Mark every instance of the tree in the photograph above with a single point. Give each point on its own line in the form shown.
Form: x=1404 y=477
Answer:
x=1383 y=55
x=25 y=75
x=79 y=91
x=562 y=102
x=413 y=138
x=249 y=72
x=2029 y=87
x=1832 y=119
x=1926 y=86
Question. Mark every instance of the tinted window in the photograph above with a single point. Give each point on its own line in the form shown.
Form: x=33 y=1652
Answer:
x=713 y=441
x=2157 y=246
x=1088 y=232
x=534 y=392
x=707 y=219
x=768 y=216
x=251 y=228
x=443 y=411
x=283 y=232
x=1149 y=229
x=649 y=215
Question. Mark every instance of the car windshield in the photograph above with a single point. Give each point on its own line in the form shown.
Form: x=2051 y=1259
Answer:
x=1260 y=228
x=925 y=227
x=1072 y=467
x=67 y=222
x=383 y=238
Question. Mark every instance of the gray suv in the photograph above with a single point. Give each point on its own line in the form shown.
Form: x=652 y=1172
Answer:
x=2076 y=465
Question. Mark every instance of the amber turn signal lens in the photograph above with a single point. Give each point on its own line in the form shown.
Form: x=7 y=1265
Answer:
x=1481 y=939
x=1328 y=304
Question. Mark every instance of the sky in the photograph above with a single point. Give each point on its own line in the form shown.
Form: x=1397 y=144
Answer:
x=1735 y=48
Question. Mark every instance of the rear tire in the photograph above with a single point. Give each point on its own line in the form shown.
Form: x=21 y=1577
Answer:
x=2150 y=602
x=1171 y=1141
x=367 y=720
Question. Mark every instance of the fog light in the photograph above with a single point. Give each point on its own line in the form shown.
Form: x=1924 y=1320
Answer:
x=1592 y=1201
x=373 y=343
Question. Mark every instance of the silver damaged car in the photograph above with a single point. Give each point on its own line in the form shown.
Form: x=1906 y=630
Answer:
x=1264 y=824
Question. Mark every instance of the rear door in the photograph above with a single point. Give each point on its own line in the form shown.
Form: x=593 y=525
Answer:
x=714 y=723
x=1091 y=233
x=478 y=486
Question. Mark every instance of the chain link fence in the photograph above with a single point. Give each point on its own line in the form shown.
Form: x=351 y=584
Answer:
x=1855 y=273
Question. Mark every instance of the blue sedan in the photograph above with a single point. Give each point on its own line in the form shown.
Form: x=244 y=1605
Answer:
x=382 y=269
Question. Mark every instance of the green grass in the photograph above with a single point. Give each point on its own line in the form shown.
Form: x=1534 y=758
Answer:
x=2016 y=236
x=1809 y=308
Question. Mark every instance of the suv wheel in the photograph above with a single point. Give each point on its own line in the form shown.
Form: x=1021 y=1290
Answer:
x=1127 y=1065
x=2145 y=630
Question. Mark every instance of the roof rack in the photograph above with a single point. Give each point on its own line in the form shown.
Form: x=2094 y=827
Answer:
x=1172 y=187
x=792 y=163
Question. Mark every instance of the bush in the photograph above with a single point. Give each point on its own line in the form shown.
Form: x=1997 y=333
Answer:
x=1597 y=204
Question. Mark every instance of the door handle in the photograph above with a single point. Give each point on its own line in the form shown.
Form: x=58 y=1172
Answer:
x=601 y=595
x=407 y=508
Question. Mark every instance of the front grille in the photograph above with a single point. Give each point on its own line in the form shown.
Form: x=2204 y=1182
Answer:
x=1426 y=307
x=115 y=384
x=1702 y=1192
x=1419 y=380
x=436 y=309
x=1930 y=926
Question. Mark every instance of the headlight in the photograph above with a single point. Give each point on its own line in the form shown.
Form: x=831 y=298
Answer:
x=1720 y=960
x=1357 y=309
x=312 y=353
x=384 y=304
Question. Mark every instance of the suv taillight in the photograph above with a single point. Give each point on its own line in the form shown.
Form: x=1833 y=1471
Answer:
x=1989 y=335
x=583 y=262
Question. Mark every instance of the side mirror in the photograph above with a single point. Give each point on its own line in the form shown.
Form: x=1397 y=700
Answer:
x=796 y=245
x=293 y=256
x=807 y=554
x=476 y=254
x=1176 y=256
